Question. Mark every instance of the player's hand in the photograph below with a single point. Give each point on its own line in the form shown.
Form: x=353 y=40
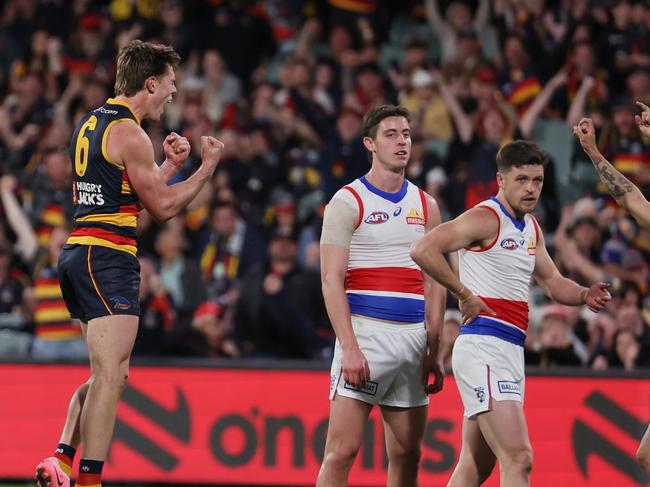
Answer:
x=598 y=296
x=586 y=135
x=433 y=365
x=355 y=367
x=643 y=120
x=211 y=150
x=472 y=307
x=176 y=148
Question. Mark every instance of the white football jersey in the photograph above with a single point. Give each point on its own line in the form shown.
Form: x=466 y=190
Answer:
x=382 y=280
x=500 y=274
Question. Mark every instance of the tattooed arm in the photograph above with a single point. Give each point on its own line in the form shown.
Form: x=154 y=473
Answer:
x=627 y=195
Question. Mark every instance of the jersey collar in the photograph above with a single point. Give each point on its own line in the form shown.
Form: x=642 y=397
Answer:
x=519 y=224
x=392 y=197
x=113 y=101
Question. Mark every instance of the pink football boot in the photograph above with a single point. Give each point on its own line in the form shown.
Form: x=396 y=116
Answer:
x=50 y=474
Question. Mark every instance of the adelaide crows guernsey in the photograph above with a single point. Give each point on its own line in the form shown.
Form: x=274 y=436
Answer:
x=382 y=280
x=106 y=207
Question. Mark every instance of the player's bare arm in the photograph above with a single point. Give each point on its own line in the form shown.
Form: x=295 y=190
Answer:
x=622 y=190
x=339 y=223
x=563 y=290
x=475 y=228
x=435 y=299
x=129 y=144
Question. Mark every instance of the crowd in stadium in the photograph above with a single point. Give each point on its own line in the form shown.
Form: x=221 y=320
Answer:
x=284 y=84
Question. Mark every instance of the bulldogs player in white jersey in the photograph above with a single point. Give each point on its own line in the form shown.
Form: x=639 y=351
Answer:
x=630 y=198
x=386 y=314
x=501 y=248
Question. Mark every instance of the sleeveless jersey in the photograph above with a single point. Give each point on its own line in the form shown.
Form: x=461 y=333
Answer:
x=106 y=207
x=500 y=275
x=382 y=280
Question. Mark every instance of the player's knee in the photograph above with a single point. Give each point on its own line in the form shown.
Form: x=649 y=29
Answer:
x=522 y=460
x=115 y=377
x=340 y=458
x=407 y=456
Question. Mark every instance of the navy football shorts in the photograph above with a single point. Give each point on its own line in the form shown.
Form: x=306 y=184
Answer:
x=99 y=281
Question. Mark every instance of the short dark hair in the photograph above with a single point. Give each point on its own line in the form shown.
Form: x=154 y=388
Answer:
x=373 y=118
x=520 y=153
x=139 y=60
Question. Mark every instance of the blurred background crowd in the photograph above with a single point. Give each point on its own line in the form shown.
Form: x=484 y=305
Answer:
x=284 y=84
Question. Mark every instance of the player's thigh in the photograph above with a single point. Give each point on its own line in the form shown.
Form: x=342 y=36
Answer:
x=504 y=428
x=347 y=422
x=110 y=339
x=403 y=428
x=475 y=452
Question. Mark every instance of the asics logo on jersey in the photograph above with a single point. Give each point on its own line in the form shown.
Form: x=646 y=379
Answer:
x=397 y=211
x=509 y=244
x=377 y=217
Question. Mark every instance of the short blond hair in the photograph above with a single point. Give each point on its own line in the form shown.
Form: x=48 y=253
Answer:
x=138 y=61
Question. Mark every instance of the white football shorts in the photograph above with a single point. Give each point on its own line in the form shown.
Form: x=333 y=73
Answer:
x=395 y=354
x=487 y=368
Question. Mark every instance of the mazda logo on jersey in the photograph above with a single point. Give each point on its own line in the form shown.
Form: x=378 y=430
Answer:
x=377 y=217
x=588 y=441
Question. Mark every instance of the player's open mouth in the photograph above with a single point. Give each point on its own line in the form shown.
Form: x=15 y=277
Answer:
x=400 y=153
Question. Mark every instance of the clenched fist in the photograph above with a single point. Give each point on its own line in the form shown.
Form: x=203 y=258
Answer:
x=211 y=150
x=177 y=149
x=586 y=134
x=643 y=120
